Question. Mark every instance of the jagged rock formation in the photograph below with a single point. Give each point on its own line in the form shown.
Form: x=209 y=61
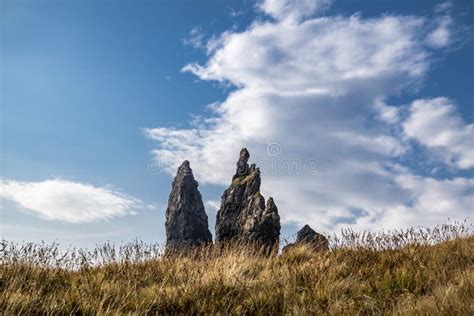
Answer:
x=243 y=215
x=186 y=220
x=307 y=235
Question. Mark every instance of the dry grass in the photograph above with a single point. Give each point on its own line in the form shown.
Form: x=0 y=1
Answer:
x=399 y=275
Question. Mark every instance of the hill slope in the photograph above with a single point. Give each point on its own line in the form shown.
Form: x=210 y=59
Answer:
x=413 y=279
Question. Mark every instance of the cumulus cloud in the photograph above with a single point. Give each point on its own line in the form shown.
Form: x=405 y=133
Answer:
x=316 y=88
x=436 y=124
x=324 y=56
x=64 y=200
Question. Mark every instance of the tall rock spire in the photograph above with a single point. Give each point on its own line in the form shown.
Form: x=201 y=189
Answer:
x=186 y=220
x=243 y=215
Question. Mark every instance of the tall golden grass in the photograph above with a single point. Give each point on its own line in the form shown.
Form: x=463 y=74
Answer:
x=417 y=271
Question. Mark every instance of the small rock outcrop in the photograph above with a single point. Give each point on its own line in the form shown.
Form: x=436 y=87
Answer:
x=186 y=220
x=307 y=235
x=243 y=215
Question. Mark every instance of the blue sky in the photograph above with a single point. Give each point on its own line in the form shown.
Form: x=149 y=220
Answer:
x=377 y=93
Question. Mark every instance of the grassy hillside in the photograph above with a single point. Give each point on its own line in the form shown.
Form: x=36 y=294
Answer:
x=410 y=279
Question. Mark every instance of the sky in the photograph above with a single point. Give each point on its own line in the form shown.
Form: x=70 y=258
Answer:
x=360 y=113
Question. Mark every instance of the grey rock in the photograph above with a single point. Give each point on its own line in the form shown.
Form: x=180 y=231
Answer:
x=242 y=165
x=264 y=227
x=243 y=215
x=186 y=220
x=308 y=236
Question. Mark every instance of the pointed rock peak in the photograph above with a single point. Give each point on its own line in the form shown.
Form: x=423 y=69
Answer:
x=242 y=164
x=244 y=155
x=308 y=236
x=184 y=169
x=185 y=165
x=253 y=168
x=305 y=232
x=186 y=220
x=271 y=205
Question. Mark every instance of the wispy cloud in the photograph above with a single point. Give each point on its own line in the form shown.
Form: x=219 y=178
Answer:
x=64 y=200
x=233 y=12
x=196 y=38
x=292 y=10
x=442 y=35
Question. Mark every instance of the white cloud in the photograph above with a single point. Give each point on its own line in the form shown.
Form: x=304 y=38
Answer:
x=64 y=200
x=387 y=113
x=436 y=124
x=213 y=205
x=292 y=10
x=316 y=87
x=441 y=35
x=327 y=56
x=434 y=201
